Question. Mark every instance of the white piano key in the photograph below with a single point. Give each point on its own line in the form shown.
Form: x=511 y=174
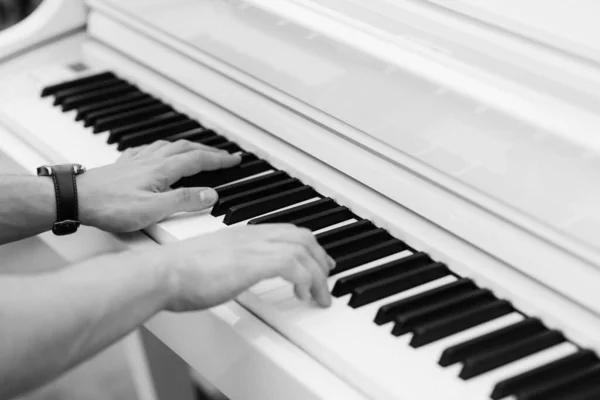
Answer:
x=245 y=222
x=340 y=328
x=270 y=171
x=70 y=137
x=332 y=227
x=268 y=285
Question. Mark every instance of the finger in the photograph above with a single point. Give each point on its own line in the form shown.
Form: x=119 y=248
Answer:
x=319 y=289
x=300 y=268
x=184 y=146
x=186 y=200
x=151 y=149
x=131 y=152
x=325 y=262
x=193 y=162
x=287 y=233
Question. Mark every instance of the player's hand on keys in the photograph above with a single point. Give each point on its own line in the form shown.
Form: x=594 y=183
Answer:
x=135 y=192
x=211 y=269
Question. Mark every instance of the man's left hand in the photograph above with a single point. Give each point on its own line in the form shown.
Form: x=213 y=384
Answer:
x=135 y=192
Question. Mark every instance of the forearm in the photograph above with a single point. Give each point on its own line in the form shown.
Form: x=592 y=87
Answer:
x=27 y=207
x=52 y=322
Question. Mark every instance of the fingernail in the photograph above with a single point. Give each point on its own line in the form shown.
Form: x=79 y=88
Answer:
x=208 y=196
x=331 y=263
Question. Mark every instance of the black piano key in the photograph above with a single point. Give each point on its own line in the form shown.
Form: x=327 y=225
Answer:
x=191 y=135
x=269 y=204
x=50 y=90
x=546 y=373
x=408 y=319
x=130 y=117
x=111 y=92
x=353 y=243
x=345 y=231
x=248 y=184
x=230 y=147
x=212 y=140
x=220 y=177
x=150 y=135
x=588 y=391
x=92 y=117
x=325 y=219
x=568 y=382
x=82 y=112
x=499 y=338
x=150 y=122
x=247 y=157
x=371 y=292
x=345 y=285
x=449 y=325
x=368 y=255
x=497 y=357
x=291 y=214
x=225 y=203
x=62 y=95
x=437 y=295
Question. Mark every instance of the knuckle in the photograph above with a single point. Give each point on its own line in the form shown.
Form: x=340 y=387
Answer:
x=183 y=144
x=160 y=168
x=303 y=276
x=298 y=253
x=306 y=235
x=185 y=195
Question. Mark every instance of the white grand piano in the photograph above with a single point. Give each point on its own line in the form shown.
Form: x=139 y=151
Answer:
x=448 y=153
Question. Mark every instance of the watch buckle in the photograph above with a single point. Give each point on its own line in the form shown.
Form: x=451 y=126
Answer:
x=65 y=227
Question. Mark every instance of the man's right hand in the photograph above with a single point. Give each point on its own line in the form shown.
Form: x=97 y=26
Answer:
x=214 y=268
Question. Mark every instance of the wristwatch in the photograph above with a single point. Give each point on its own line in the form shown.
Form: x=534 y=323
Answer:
x=65 y=188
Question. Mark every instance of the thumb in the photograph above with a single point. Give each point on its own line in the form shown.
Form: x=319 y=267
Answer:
x=189 y=199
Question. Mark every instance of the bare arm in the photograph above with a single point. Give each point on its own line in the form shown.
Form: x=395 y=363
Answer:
x=127 y=196
x=27 y=207
x=53 y=321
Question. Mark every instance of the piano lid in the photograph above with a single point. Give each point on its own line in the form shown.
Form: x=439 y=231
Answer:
x=513 y=118
x=571 y=26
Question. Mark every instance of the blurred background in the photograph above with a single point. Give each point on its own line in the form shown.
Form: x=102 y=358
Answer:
x=12 y=11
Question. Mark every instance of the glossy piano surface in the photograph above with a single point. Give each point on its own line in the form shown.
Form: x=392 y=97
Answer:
x=333 y=122
x=571 y=26
x=532 y=148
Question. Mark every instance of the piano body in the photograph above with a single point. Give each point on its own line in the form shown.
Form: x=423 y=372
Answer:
x=447 y=153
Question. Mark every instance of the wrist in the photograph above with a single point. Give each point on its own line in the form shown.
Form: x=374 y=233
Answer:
x=44 y=192
x=159 y=269
x=87 y=215
x=36 y=196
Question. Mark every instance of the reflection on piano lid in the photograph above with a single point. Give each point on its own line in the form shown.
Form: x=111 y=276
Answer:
x=513 y=130
x=256 y=193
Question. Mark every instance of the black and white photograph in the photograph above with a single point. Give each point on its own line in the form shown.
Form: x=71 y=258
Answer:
x=299 y=200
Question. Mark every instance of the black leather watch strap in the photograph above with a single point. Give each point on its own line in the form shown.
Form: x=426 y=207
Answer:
x=65 y=189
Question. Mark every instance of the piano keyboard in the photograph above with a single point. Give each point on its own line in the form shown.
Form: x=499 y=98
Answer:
x=445 y=328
